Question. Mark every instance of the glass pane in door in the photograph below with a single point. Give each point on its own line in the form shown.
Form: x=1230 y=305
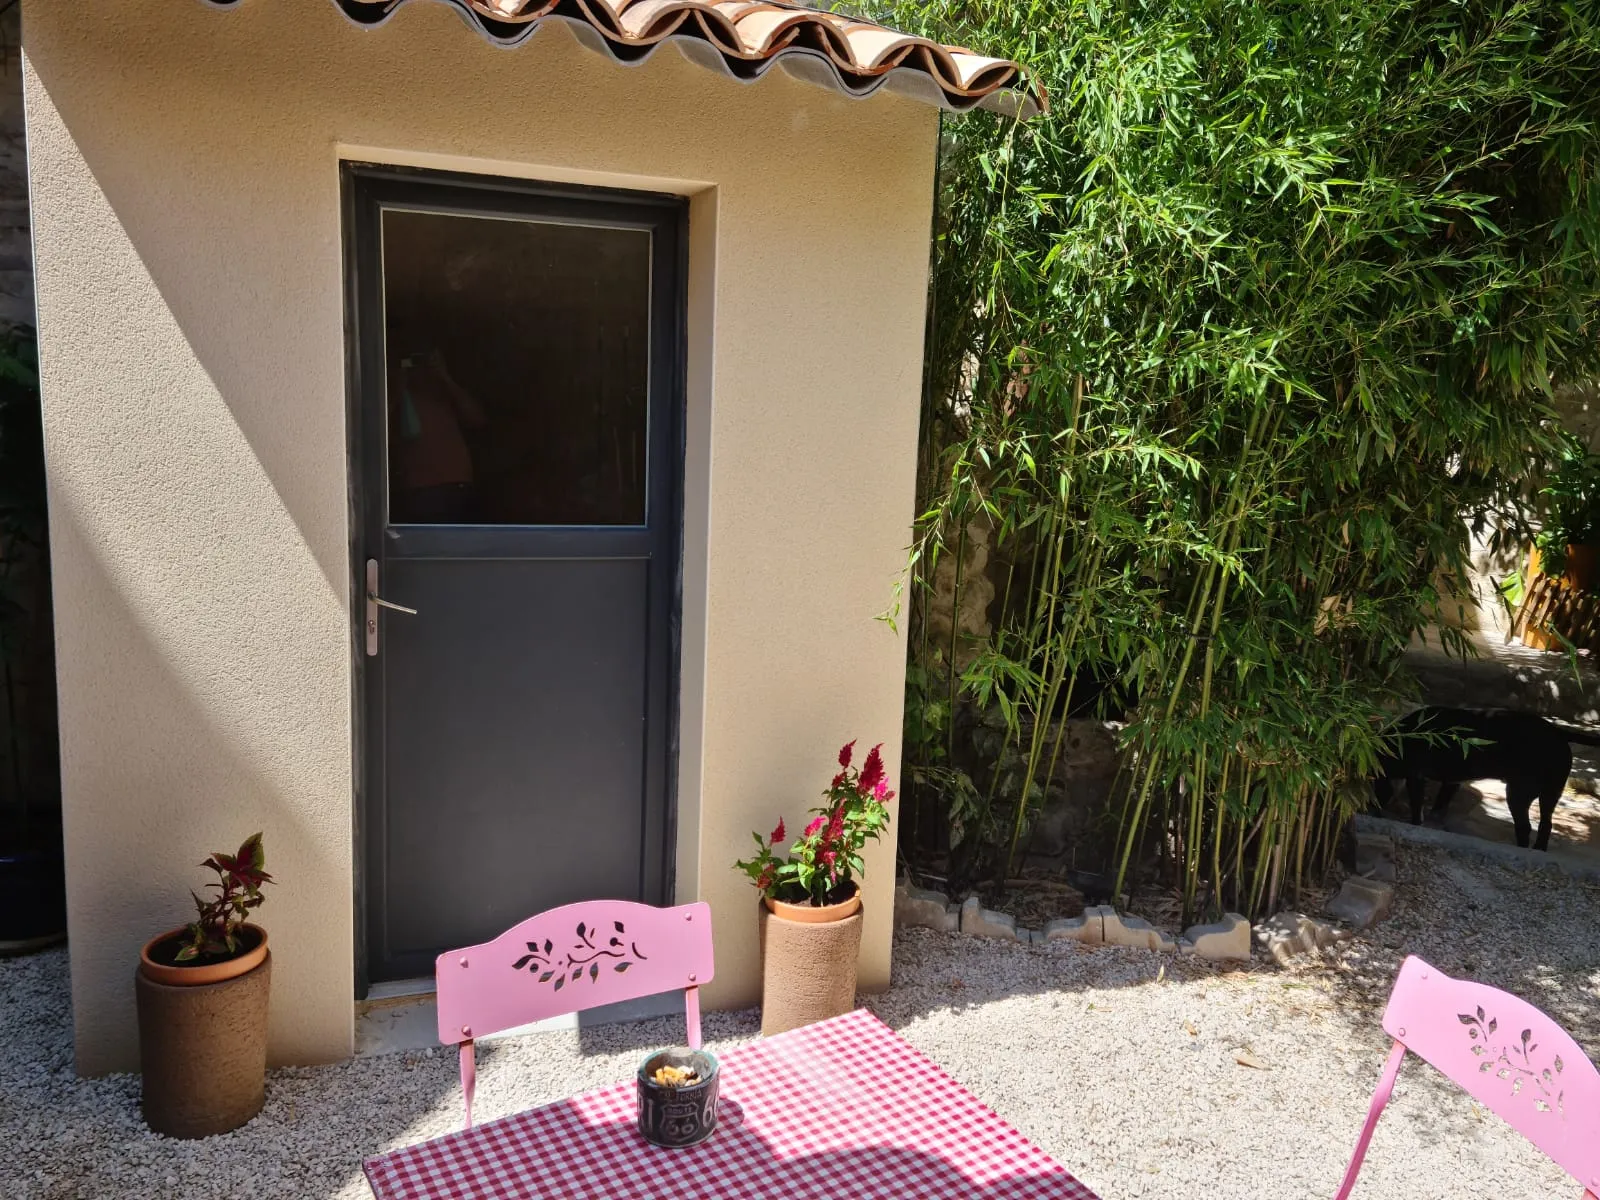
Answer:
x=517 y=356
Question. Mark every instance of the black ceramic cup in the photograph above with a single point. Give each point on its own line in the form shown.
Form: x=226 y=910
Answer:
x=678 y=1116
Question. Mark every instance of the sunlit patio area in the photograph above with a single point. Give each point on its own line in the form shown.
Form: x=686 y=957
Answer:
x=1143 y=1074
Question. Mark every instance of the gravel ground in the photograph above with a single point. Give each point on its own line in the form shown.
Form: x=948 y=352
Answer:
x=1123 y=1064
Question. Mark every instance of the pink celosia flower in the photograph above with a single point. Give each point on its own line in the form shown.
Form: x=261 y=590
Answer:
x=836 y=825
x=844 y=754
x=767 y=872
x=811 y=829
x=872 y=769
x=777 y=834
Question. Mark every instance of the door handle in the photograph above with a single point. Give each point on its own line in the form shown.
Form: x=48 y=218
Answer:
x=374 y=602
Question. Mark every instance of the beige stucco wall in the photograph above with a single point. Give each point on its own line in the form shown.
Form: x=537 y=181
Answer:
x=185 y=191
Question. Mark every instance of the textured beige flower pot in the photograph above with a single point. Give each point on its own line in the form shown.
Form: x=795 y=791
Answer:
x=203 y=1044
x=808 y=967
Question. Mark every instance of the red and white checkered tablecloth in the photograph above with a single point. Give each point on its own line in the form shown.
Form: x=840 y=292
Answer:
x=841 y=1110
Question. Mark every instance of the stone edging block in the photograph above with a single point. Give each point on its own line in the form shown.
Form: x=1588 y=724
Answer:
x=1100 y=925
x=981 y=922
x=1227 y=940
x=1290 y=934
x=1365 y=898
x=924 y=908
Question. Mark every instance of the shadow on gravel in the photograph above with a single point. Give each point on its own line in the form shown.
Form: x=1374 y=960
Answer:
x=71 y=1137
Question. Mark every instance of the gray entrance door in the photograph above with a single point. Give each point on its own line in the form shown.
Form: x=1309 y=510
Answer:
x=516 y=395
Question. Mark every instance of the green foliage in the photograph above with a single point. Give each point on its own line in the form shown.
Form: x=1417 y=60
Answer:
x=1571 y=500
x=1223 y=349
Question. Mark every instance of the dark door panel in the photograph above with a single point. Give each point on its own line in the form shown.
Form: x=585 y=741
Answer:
x=516 y=744
x=517 y=397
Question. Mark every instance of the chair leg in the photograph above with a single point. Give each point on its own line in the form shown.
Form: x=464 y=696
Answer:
x=469 y=1076
x=1379 y=1099
x=691 y=1013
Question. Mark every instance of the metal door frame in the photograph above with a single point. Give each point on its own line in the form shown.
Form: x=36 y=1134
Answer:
x=365 y=188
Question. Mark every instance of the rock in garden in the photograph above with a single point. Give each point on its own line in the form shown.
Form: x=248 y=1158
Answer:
x=1362 y=902
x=1119 y=930
x=1088 y=929
x=1374 y=856
x=924 y=909
x=983 y=922
x=1290 y=934
x=1227 y=940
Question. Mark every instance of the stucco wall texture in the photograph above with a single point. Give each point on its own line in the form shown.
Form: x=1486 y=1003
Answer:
x=185 y=186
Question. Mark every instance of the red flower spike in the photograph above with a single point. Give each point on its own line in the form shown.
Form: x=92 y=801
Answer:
x=777 y=834
x=872 y=769
x=811 y=829
x=845 y=753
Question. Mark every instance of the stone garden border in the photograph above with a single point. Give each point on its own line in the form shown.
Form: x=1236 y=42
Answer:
x=1365 y=898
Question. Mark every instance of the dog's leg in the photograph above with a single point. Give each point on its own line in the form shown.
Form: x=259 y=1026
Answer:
x=1548 y=799
x=1382 y=793
x=1414 y=788
x=1447 y=793
x=1519 y=799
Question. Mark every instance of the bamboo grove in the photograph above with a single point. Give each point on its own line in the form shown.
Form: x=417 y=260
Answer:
x=1225 y=352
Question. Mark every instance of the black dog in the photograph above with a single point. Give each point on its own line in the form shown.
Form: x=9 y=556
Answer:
x=1529 y=754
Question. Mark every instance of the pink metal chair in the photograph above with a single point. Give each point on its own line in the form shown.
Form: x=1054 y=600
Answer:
x=1506 y=1054
x=566 y=960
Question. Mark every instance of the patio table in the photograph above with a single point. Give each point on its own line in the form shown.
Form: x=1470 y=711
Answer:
x=845 y=1109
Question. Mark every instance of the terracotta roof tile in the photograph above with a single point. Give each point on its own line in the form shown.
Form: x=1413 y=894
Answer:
x=745 y=37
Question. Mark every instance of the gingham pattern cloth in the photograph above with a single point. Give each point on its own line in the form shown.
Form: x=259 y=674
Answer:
x=841 y=1110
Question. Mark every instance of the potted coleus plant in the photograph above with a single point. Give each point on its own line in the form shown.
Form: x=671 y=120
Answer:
x=202 y=994
x=811 y=898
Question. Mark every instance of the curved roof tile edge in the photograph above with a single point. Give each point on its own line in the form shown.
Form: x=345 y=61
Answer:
x=852 y=56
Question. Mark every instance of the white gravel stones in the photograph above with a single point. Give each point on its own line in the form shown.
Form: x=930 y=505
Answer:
x=1122 y=1064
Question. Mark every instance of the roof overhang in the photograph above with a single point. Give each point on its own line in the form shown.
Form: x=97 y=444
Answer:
x=744 y=39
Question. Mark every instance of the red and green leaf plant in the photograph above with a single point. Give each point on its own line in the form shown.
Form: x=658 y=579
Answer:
x=215 y=934
x=825 y=859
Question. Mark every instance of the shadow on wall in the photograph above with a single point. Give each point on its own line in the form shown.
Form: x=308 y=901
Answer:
x=187 y=760
x=223 y=251
x=198 y=523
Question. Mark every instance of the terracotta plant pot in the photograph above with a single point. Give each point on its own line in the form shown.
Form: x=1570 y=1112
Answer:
x=808 y=966
x=816 y=914
x=156 y=964
x=203 y=1039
